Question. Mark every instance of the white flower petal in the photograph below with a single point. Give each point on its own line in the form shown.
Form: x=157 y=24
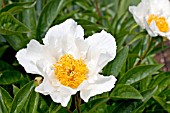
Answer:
x=62 y=95
x=139 y=12
x=28 y=57
x=45 y=87
x=60 y=36
x=102 y=84
x=102 y=49
x=150 y=31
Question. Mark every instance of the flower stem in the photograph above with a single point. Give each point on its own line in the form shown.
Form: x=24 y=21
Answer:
x=77 y=102
x=97 y=8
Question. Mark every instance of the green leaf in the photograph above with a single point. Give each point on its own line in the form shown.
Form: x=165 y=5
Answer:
x=83 y=4
x=54 y=107
x=10 y=25
x=144 y=84
x=5 y=101
x=17 y=42
x=65 y=16
x=48 y=15
x=42 y=105
x=17 y=7
x=3 y=49
x=21 y=97
x=159 y=78
x=138 y=73
x=123 y=106
x=5 y=66
x=32 y=105
x=163 y=85
x=10 y=77
x=122 y=91
x=89 y=26
x=15 y=89
x=163 y=103
x=91 y=106
x=147 y=94
x=29 y=22
x=114 y=67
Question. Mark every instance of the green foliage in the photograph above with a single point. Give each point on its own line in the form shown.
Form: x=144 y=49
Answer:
x=141 y=85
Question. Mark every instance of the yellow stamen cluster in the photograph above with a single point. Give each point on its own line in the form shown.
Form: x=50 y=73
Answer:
x=69 y=71
x=161 y=22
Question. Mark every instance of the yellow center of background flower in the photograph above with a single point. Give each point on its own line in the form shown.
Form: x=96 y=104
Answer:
x=161 y=22
x=69 y=71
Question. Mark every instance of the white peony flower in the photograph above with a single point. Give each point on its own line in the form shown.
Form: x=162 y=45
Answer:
x=68 y=63
x=154 y=16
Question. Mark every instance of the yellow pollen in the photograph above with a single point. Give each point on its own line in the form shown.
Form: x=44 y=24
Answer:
x=69 y=71
x=161 y=22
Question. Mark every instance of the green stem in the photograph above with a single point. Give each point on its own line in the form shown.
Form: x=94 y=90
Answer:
x=145 y=52
x=77 y=102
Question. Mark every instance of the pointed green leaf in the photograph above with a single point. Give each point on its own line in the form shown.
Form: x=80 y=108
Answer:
x=138 y=73
x=122 y=91
x=5 y=101
x=21 y=97
x=114 y=67
x=10 y=25
x=32 y=103
x=15 y=89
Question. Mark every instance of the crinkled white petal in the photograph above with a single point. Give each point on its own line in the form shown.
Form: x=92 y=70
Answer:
x=102 y=49
x=60 y=38
x=29 y=56
x=102 y=84
x=45 y=87
x=62 y=95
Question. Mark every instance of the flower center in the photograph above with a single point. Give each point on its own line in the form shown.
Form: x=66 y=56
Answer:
x=161 y=22
x=69 y=71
